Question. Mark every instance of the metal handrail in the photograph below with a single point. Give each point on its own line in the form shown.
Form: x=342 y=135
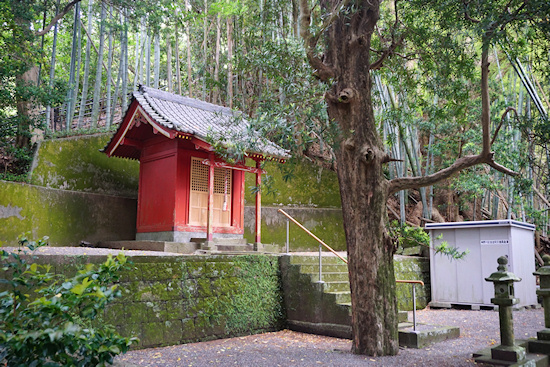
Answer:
x=413 y=282
x=321 y=243
x=312 y=235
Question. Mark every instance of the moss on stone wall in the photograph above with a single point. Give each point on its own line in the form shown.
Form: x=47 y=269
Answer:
x=66 y=217
x=308 y=185
x=325 y=223
x=77 y=164
x=412 y=268
x=168 y=300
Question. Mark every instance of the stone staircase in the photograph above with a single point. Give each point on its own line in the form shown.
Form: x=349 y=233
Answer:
x=312 y=306
x=325 y=307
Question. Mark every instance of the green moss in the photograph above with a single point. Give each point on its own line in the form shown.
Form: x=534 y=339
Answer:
x=412 y=268
x=173 y=332
x=152 y=334
x=77 y=164
x=225 y=298
x=65 y=217
x=309 y=185
x=327 y=224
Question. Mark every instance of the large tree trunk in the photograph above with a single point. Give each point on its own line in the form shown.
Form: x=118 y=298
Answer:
x=363 y=187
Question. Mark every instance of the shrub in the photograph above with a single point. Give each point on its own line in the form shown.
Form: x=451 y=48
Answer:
x=46 y=320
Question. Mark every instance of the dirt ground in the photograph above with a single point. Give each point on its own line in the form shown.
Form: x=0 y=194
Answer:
x=478 y=330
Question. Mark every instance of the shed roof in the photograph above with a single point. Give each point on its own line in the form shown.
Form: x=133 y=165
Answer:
x=189 y=116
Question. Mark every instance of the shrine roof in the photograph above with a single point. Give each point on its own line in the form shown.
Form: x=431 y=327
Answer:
x=200 y=119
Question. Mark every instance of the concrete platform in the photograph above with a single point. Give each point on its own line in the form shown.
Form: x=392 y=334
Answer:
x=425 y=334
x=531 y=359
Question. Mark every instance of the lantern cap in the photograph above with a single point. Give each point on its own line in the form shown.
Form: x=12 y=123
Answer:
x=502 y=274
x=545 y=269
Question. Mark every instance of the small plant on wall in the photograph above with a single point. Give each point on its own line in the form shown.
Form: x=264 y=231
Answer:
x=46 y=320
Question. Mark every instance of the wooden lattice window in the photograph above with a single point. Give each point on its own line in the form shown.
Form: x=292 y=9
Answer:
x=199 y=175
x=222 y=181
x=199 y=194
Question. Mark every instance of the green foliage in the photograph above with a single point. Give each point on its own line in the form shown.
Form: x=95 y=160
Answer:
x=258 y=303
x=450 y=251
x=406 y=236
x=49 y=321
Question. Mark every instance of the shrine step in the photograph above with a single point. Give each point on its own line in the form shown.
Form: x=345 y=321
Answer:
x=162 y=246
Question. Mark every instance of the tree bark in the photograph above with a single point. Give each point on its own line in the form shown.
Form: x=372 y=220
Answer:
x=216 y=89
x=86 y=68
x=98 y=81
x=168 y=62
x=189 y=66
x=156 y=68
x=230 y=61
x=26 y=110
x=363 y=188
x=178 y=66
x=109 y=70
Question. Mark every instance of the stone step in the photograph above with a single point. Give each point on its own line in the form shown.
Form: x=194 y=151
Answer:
x=329 y=277
x=338 y=286
x=341 y=298
x=313 y=260
x=328 y=268
x=234 y=247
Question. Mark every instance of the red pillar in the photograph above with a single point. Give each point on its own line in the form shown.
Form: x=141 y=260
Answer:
x=258 y=204
x=210 y=220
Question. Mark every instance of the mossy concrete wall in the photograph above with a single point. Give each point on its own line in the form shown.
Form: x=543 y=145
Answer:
x=307 y=186
x=76 y=164
x=325 y=223
x=66 y=217
x=412 y=268
x=169 y=300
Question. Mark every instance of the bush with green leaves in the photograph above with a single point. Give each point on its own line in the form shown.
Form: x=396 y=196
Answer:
x=406 y=236
x=46 y=320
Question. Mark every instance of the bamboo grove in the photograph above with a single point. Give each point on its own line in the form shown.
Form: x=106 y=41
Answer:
x=248 y=55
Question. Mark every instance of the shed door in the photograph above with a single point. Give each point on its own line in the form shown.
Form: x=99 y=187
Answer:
x=198 y=200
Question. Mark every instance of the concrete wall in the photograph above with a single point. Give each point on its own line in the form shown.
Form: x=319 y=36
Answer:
x=66 y=217
x=76 y=164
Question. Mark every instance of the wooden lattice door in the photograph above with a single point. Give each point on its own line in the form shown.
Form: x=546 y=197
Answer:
x=198 y=200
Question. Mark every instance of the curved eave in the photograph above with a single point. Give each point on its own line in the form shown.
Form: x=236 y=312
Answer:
x=135 y=116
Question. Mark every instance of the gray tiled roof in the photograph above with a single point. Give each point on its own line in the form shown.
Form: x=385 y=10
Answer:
x=201 y=119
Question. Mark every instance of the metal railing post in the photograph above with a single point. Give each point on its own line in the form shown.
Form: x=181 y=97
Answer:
x=287 y=236
x=414 y=307
x=320 y=264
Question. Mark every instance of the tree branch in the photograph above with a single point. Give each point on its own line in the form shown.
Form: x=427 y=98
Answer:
x=60 y=15
x=460 y=164
x=485 y=101
x=378 y=63
x=322 y=71
x=466 y=15
x=502 y=121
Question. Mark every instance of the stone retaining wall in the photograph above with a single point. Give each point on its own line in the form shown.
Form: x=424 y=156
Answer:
x=169 y=300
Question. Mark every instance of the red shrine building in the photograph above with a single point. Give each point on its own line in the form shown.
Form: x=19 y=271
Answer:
x=187 y=191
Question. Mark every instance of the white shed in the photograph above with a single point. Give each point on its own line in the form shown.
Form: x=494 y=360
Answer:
x=462 y=282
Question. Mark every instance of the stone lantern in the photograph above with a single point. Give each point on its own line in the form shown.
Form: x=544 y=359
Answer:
x=542 y=344
x=504 y=299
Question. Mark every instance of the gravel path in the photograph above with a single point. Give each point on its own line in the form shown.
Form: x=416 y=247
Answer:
x=478 y=330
